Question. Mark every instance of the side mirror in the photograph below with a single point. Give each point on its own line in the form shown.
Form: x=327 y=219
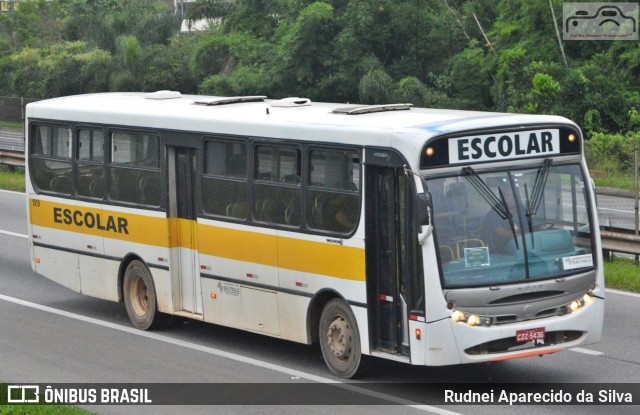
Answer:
x=424 y=207
x=423 y=215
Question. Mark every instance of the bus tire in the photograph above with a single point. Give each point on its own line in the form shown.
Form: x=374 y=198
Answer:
x=140 y=296
x=340 y=339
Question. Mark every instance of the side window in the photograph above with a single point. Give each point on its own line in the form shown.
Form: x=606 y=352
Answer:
x=277 y=186
x=51 y=158
x=134 y=169
x=333 y=196
x=224 y=185
x=134 y=149
x=90 y=177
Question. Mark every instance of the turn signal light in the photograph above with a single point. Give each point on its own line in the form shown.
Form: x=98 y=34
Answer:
x=418 y=334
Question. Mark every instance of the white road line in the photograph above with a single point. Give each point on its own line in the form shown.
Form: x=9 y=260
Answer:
x=12 y=192
x=227 y=355
x=586 y=351
x=628 y=294
x=17 y=235
x=617 y=210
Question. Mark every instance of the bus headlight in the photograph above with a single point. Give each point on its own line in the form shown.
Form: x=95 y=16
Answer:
x=457 y=316
x=578 y=304
x=473 y=320
x=574 y=306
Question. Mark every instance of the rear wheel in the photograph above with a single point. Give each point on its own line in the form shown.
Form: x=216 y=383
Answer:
x=140 y=297
x=339 y=339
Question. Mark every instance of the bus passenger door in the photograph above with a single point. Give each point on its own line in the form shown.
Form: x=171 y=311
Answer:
x=183 y=227
x=384 y=222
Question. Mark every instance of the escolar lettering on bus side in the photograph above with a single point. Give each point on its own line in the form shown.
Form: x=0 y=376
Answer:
x=90 y=220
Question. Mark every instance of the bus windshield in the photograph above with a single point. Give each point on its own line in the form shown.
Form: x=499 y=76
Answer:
x=510 y=226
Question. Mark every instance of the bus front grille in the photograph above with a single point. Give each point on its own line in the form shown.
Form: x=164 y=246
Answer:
x=509 y=344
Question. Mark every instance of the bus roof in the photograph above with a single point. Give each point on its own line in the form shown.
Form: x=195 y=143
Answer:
x=165 y=110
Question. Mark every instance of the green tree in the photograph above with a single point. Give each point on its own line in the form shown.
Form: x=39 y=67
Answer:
x=544 y=92
x=470 y=81
x=306 y=51
x=377 y=87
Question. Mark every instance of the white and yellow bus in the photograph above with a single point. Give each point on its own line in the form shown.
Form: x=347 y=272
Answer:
x=430 y=237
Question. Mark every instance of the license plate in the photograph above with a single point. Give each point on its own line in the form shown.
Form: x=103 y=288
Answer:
x=530 y=334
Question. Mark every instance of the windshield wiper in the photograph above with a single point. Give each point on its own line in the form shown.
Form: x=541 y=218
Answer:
x=529 y=216
x=538 y=187
x=481 y=187
x=510 y=217
x=533 y=203
x=499 y=205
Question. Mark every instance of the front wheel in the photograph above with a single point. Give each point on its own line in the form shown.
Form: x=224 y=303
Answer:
x=339 y=339
x=140 y=297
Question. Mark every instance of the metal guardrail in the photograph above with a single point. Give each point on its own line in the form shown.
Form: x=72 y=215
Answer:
x=620 y=242
x=12 y=147
x=12 y=158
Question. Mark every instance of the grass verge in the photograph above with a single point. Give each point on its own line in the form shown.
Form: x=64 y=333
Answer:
x=12 y=125
x=26 y=409
x=622 y=274
x=615 y=181
x=12 y=180
x=31 y=409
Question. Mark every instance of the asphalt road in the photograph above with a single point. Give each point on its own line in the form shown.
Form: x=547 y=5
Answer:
x=51 y=334
x=616 y=211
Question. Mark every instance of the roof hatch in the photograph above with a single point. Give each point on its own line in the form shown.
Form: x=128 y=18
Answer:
x=230 y=100
x=291 y=102
x=366 y=109
x=163 y=95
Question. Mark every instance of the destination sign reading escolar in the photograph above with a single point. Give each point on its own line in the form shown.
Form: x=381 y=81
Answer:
x=504 y=146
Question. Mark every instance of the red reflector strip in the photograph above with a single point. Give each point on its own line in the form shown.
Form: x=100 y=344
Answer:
x=525 y=354
x=386 y=298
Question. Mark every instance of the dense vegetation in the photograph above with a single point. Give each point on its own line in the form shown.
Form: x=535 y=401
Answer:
x=427 y=52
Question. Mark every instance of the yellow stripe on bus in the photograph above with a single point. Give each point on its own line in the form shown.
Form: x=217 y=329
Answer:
x=322 y=258
x=240 y=245
x=284 y=252
x=141 y=229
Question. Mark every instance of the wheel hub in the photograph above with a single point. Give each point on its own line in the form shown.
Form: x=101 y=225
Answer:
x=339 y=338
x=140 y=296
